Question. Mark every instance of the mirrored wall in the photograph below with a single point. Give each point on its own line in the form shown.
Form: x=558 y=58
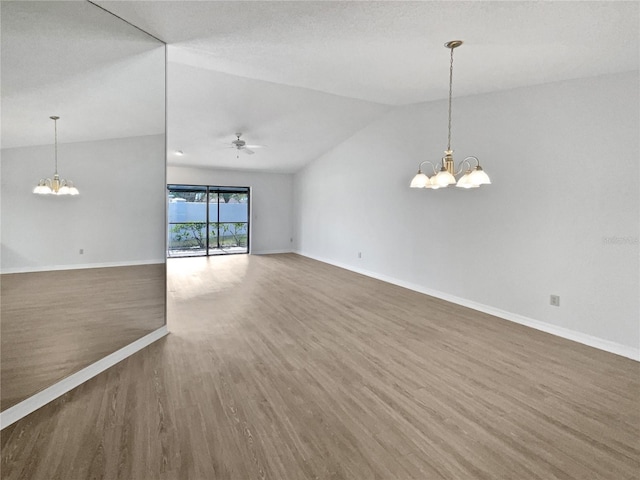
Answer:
x=81 y=275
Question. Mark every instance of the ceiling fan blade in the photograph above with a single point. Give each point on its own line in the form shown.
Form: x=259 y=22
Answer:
x=255 y=146
x=247 y=151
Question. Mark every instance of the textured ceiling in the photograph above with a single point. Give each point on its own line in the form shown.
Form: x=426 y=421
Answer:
x=302 y=76
x=102 y=77
x=288 y=74
x=392 y=52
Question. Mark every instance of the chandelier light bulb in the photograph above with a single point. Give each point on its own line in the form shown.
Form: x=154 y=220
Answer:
x=465 y=181
x=479 y=177
x=444 y=178
x=419 y=181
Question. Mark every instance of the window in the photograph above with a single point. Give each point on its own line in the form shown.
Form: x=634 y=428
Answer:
x=207 y=220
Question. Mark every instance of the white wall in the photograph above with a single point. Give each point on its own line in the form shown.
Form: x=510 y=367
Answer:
x=271 y=202
x=563 y=159
x=118 y=218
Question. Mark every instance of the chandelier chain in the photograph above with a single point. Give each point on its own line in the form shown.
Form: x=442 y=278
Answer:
x=450 y=94
x=55 y=129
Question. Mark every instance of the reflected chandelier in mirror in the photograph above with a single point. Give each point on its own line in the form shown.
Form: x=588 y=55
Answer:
x=55 y=185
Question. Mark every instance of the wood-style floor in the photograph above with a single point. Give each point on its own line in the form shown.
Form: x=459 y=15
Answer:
x=280 y=367
x=56 y=323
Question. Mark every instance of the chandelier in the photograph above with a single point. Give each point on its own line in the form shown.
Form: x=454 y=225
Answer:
x=445 y=172
x=55 y=185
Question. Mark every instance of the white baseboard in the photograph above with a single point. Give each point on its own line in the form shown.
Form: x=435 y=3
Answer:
x=585 y=339
x=80 y=266
x=40 y=399
x=270 y=252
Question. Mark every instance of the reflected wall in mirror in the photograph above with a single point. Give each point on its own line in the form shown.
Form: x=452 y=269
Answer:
x=81 y=276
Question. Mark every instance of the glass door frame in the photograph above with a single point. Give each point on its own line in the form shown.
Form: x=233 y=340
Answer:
x=210 y=190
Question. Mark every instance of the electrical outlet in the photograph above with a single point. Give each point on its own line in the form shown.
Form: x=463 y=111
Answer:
x=359 y=254
x=82 y=251
x=554 y=300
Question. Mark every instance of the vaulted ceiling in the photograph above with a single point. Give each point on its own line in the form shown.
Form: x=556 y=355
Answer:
x=302 y=76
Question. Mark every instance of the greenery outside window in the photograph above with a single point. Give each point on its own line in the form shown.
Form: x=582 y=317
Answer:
x=207 y=220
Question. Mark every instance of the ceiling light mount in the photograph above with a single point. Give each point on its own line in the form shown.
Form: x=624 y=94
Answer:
x=238 y=142
x=55 y=185
x=453 y=44
x=444 y=173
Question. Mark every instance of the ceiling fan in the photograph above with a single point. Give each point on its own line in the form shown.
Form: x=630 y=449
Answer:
x=241 y=146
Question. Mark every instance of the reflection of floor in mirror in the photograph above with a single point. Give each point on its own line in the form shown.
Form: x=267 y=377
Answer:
x=283 y=367
x=55 y=323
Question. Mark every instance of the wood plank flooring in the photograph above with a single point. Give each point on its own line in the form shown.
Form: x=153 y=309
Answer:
x=56 y=323
x=281 y=367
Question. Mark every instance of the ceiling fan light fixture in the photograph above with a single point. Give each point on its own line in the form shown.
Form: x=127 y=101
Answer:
x=241 y=146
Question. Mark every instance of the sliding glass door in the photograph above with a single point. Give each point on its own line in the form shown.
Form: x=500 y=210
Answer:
x=207 y=220
x=188 y=221
x=229 y=220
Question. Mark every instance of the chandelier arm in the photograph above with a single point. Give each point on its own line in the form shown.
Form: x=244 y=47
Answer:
x=462 y=164
x=474 y=158
x=430 y=163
